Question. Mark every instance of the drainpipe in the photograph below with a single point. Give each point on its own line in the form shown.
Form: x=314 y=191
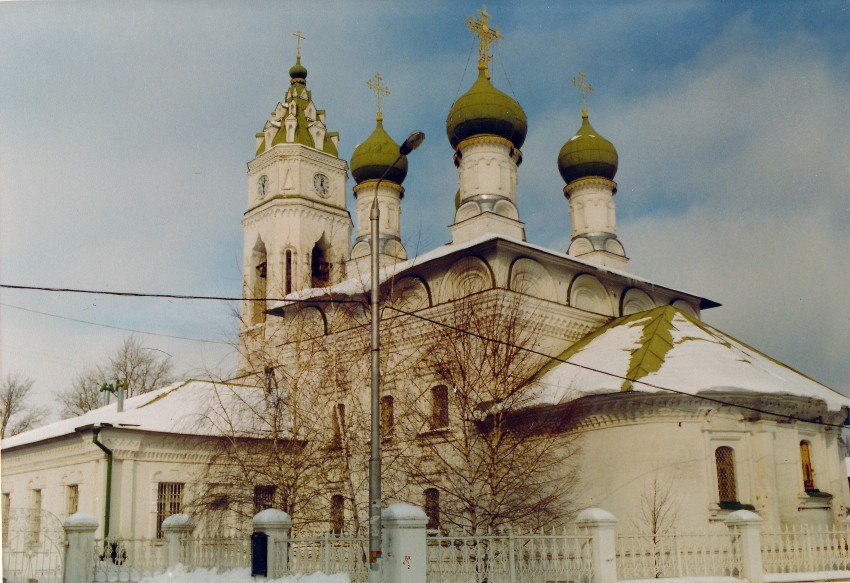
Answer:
x=95 y=432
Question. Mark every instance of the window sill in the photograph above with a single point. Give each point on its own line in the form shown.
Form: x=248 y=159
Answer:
x=434 y=432
x=719 y=511
x=814 y=499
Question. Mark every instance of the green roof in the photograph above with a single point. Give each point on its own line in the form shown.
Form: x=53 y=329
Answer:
x=587 y=154
x=484 y=110
x=375 y=156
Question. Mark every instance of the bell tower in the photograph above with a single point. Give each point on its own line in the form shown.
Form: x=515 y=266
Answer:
x=297 y=227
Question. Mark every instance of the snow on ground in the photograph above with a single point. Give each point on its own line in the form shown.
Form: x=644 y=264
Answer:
x=180 y=575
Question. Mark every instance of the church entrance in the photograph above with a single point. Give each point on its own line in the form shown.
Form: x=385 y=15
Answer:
x=33 y=546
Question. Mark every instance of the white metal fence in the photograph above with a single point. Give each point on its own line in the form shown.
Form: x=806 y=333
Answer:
x=328 y=552
x=127 y=559
x=510 y=556
x=806 y=548
x=646 y=556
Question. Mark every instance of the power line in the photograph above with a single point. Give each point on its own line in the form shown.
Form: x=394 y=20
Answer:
x=172 y=296
x=111 y=326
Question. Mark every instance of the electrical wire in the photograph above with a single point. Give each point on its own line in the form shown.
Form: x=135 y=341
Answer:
x=134 y=330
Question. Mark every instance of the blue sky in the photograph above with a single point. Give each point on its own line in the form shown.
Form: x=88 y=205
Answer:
x=125 y=129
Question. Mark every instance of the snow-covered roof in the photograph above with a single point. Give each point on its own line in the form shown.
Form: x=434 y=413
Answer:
x=360 y=283
x=183 y=407
x=670 y=349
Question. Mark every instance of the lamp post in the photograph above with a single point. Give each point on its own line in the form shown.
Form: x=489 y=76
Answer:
x=412 y=142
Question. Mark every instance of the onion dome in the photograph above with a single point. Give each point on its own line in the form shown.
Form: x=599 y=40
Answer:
x=587 y=154
x=376 y=155
x=486 y=110
x=298 y=72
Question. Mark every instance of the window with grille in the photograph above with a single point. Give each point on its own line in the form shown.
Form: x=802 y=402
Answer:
x=727 y=487
x=34 y=534
x=288 y=268
x=439 y=407
x=808 y=469
x=338 y=426
x=387 y=416
x=72 y=493
x=432 y=508
x=337 y=514
x=264 y=497
x=169 y=500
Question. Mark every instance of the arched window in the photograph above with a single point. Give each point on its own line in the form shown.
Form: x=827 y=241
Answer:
x=808 y=470
x=321 y=269
x=258 y=308
x=337 y=517
x=387 y=416
x=727 y=487
x=432 y=508
x=439 y=407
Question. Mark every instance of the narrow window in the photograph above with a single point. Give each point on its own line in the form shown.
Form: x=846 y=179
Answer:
x=439 y=407
x=808 y=470
x=320 y=268
x=258 y=307
x=337 y=514
x=72 y=493
x=263 y=497
x=432 y=508
x=288 y=267
x=727 y=487
x=169 y=500
x=387 y=416
x=34 y=535
x=338 y=426
x=7 y=506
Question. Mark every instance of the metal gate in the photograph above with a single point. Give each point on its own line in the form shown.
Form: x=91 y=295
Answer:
x=33 y=547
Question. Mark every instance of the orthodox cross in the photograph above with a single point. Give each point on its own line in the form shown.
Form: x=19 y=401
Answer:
x=379 y=89
x=487 y=37
x=585 y=88
x=300 y=37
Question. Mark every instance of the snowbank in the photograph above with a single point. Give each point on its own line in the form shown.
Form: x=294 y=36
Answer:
x=180 y=575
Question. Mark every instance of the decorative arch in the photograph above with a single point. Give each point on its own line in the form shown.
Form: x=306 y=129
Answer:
x=258 y=274
x=685 y=307
x=528 y=276
x=467 y=210
x=467 y=276
x=588 y=293
x=311 y=322
x=634 y=301
x=411 y=293
x=320 y=267
x=506 y=209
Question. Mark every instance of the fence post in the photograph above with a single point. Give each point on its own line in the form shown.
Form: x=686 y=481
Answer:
x=276 y=524
x=747 y=525
x=79 y=552
x=404 y=543
x=174 y=528
x=601 y=526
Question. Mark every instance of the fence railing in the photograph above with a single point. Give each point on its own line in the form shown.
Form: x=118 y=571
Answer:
x=118 y=559
x=510 y=556
x=326 y=552
x=806 y=548
x=675 y=554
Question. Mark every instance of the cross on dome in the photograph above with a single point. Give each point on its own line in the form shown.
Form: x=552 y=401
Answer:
x=487 y=37
x=375 y=85
x=585 y=88
x=300 y=37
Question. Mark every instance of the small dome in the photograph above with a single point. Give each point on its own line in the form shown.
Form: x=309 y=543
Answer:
x=587 y=154
x=298 y=72
x=375 y=155
x=486 y=110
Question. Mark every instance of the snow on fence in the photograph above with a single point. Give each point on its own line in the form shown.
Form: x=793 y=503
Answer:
x=806 y=548
x=646 y=556
x=507 y=556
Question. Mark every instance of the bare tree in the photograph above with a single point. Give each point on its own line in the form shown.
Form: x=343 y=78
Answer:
x=144 y=369
x=659 y=510
x=483 y=442
x=18 y=414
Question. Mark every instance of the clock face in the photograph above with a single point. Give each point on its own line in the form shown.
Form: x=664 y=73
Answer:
x=322 y=184
x=263 y=185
